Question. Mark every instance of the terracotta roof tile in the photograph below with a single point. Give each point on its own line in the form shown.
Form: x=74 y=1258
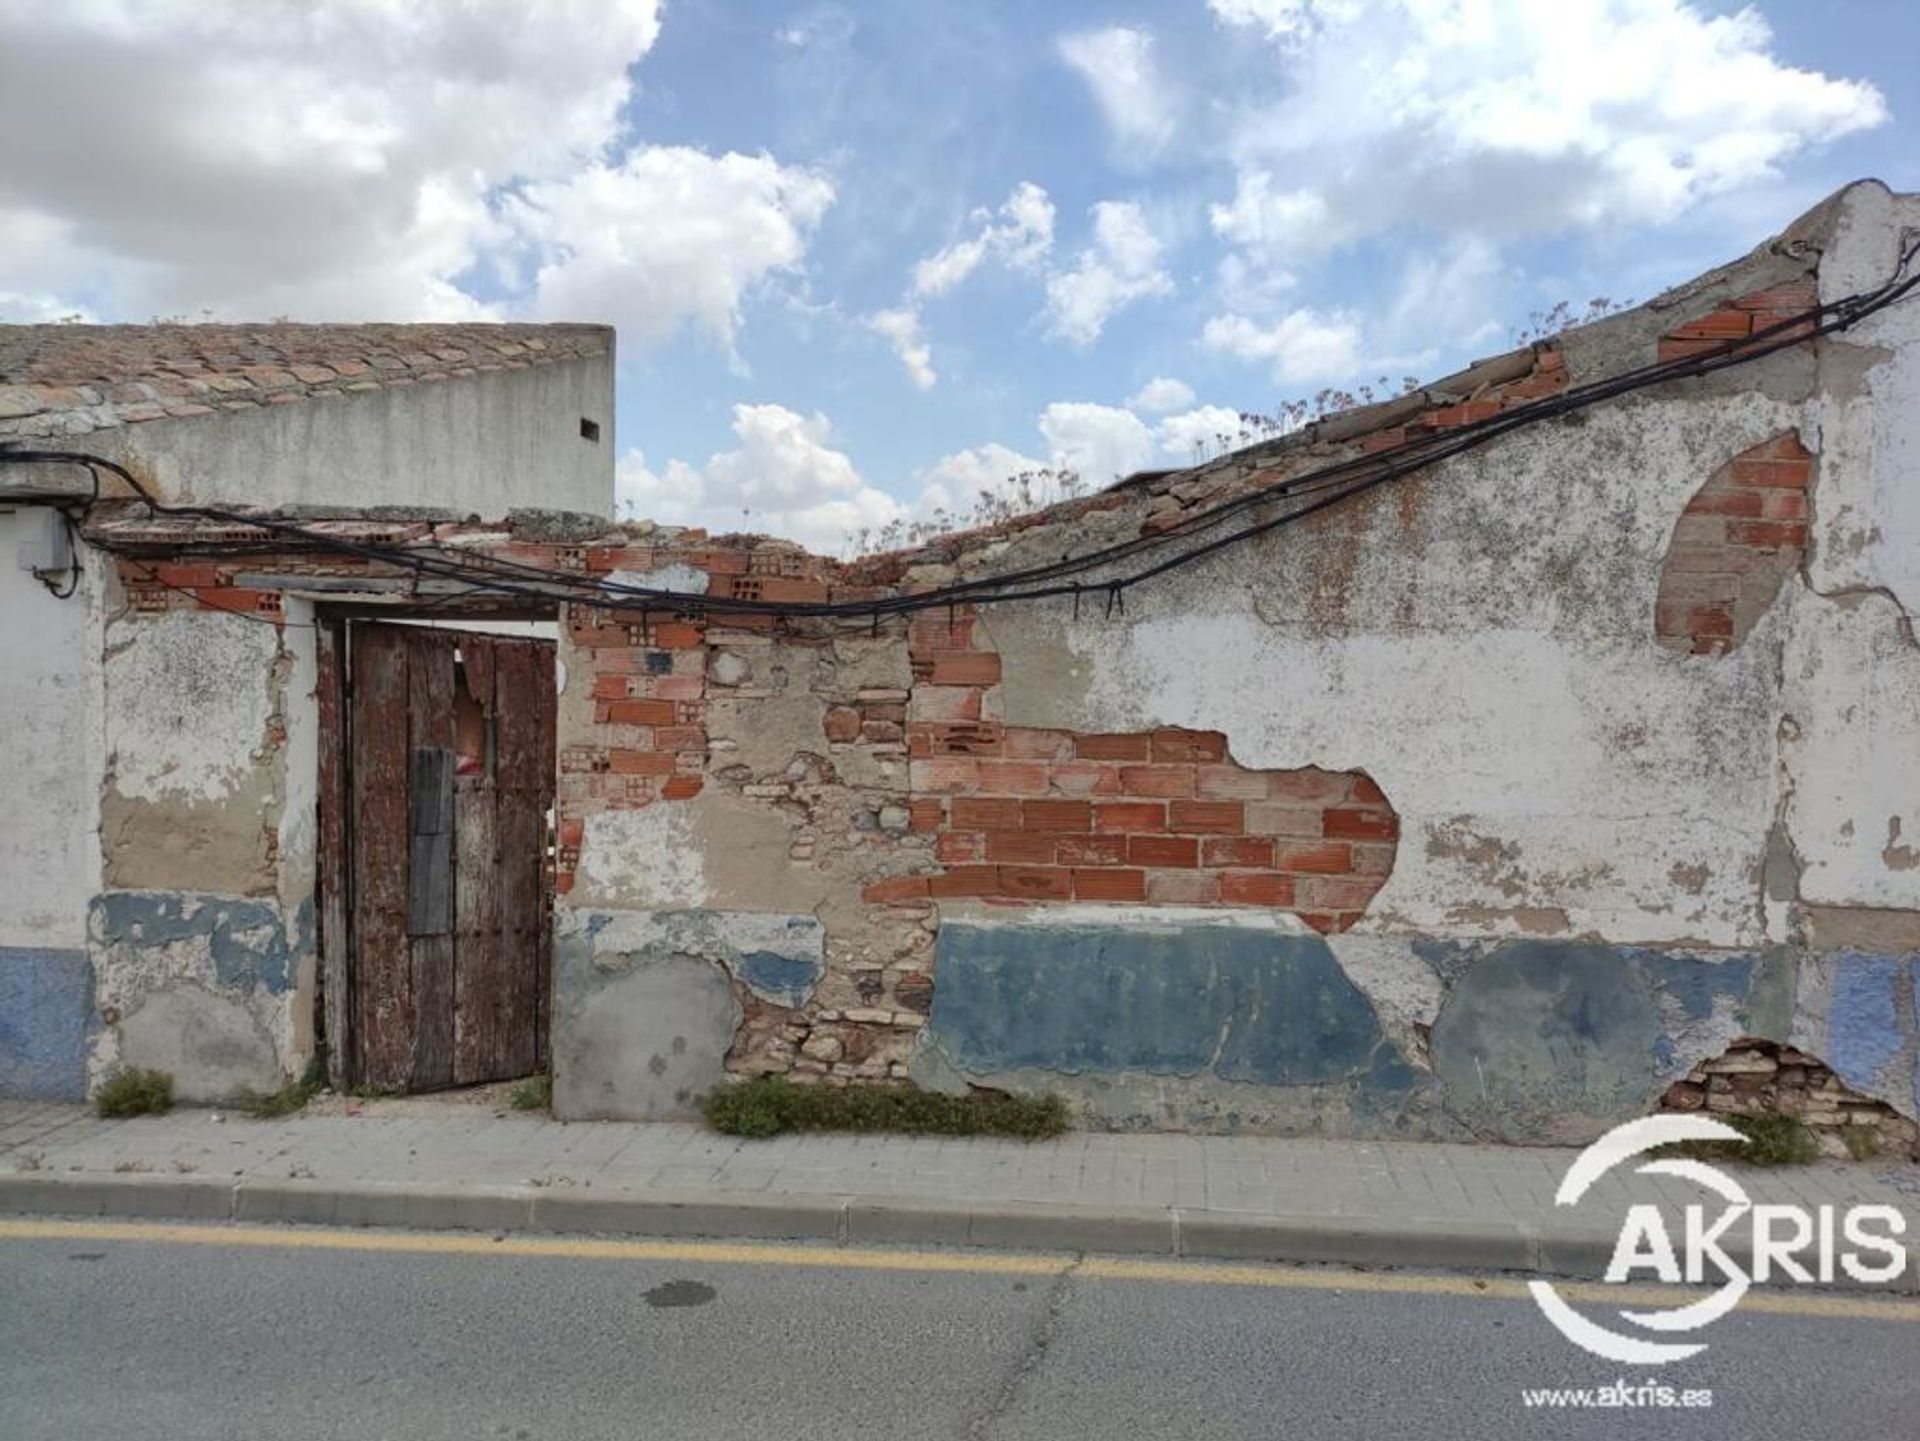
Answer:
x=64 y=380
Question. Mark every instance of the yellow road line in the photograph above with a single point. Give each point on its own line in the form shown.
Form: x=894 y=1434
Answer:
x=978 y=1263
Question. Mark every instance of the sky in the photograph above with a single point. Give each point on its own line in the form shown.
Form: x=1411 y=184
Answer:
x=869 y=259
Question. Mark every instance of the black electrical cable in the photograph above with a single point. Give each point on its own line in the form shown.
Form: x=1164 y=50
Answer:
x=1318 y=490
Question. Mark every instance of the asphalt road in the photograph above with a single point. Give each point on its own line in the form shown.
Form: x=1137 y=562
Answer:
x=127 y=1332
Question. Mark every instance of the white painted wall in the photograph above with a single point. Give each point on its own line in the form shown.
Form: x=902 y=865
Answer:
x=480 y=445
x=49 y=853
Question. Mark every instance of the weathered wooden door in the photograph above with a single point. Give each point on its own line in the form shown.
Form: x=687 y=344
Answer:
x=450 y=786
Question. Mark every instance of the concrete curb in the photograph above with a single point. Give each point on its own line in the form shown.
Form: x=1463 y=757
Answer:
x=838 y=1220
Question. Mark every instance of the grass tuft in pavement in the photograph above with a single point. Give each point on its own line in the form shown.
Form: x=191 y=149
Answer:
x=533 y=1094
x=134 y=1092
x=1773 y=1139
x=291 y=1097
x=769 y=1105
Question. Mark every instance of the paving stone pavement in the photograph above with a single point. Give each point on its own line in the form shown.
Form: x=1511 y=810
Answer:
x=439 y=1164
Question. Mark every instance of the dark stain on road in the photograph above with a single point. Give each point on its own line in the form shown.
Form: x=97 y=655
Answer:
x=680 y=1293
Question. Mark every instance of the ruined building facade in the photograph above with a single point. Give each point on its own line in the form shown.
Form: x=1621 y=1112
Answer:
x=1491 y=801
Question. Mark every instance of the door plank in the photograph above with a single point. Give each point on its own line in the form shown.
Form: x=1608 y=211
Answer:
x=430 y=880
x=479 y=1010
x=331 y=860
x=382 y=962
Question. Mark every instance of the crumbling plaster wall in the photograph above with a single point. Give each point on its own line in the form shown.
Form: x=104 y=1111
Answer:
x=202 y=934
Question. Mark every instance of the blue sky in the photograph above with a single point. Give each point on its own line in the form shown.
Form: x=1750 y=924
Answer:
x=867 y=258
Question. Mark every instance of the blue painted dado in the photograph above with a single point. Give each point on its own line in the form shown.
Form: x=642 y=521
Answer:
x=46 y=1012
x=1240 y=1004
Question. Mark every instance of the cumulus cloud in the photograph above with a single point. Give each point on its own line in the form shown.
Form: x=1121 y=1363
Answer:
x=784 y=477
x=668 y=236
x=1118 y=65
x=1160 y=395
x=903 y=331
x=1020 y=235
x=1102 y=443
x=1301 y=346
x=1122 y=265
x=1510 y=118
x=955 y=482
x=347 y=160
x=1198 y=434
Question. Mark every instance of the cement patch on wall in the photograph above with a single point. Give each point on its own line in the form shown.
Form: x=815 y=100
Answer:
x=645 y=1006
x=46 y=1013
x=214 y=1046
x=200 y=986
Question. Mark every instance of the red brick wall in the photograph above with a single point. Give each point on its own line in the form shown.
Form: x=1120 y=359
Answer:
x=1164 y=816
x=1738 y=319
x=1740 y=535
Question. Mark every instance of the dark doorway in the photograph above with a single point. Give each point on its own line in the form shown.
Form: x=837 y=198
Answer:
x=436 y=796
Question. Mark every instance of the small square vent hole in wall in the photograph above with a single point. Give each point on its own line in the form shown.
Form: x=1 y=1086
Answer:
x=590 y=430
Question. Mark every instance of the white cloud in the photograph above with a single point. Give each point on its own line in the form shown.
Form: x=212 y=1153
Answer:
x=783 y=478
x=1160 y=395
x=1510 y=117
x=1121 y=266
x=1302 y=346
x=1118 y=65
x=668 y=236
x=1103 y=443
x=903 y=331
x=1020 y=235
x=1201 y=433
x=955 y=482
x=347 y=160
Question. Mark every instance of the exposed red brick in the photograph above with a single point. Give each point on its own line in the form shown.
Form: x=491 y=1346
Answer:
x=1206 y=817
x=1256 y=888
x=841 y=723
x=1328 y=858
x=1182 y=851
x=1022 y=743
x=1033 y=848
x=899 y=888
x=1057 y=815
x=640 y=763
x=1360 y=823
x=1189 y=745
x=1094 y=850
x=676 y=635
x=1109 y=885
x=1247 y=852
x=965 y=667
x=680 y=788
x=1013 y=778
x=956 y=847
x=1157 y=780
x=641 y=712
x=959 y=881
x=1130 y=816
x=1112 y=747
x=1043 y=883
x=1229 y=783
x=972 y=813
x=1183 y=888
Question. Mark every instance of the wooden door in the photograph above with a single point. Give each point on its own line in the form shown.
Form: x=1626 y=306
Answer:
x=448 y=794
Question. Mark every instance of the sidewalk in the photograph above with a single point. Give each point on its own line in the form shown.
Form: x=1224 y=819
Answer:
x=451 y=1165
